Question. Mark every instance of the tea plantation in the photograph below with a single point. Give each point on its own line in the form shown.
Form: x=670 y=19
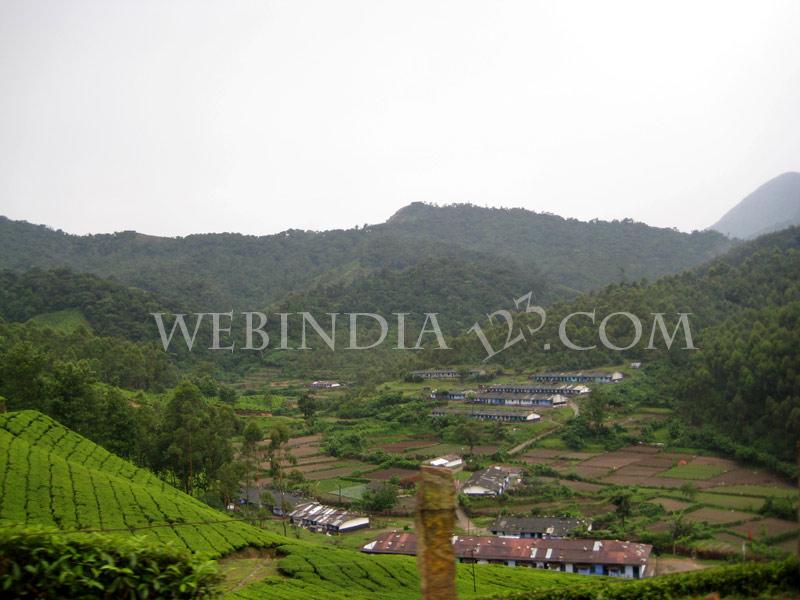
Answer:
x=53 y=479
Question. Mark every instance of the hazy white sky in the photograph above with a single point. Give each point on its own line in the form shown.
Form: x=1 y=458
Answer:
x=173 y=117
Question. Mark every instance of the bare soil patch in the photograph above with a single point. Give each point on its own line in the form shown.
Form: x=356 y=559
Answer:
x=718 y=516
x=655 y=482
x=331 y=473
x=581 y=486
x=637 y=470
x=766 y=528
x=387 y=474
x=677 y=565
x=309 y=450
x=304 y=440
x=542 y=453
x=670 y=504
x=742 y=476
x=613 y=460
x=591 y=471
x=399 y=447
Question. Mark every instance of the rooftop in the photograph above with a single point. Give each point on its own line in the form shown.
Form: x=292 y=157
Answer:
x=321 y=514
x=609 y=552
x=553 y=526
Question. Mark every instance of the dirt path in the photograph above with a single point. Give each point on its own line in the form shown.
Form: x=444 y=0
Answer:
x=520 y=447
x=465 y=523
x=677 y=565
x=247 y=566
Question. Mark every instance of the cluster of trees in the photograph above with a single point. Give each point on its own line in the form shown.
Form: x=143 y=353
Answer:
x=29 y=353
x=183 y=437
x=111 y=309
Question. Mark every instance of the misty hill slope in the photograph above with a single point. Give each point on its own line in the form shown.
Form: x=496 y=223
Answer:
x=231 y=271
x=774 y=205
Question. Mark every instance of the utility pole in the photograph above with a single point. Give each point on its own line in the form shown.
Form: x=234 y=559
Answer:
x=435 y=522
x=474 y=582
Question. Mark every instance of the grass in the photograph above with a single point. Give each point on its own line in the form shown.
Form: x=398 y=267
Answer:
x=693 y=472
x=730 y=501
x=62 y=321
x=762 y=491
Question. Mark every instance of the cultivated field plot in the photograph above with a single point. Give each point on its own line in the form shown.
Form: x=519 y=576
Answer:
x=717 y=516
x=657 y=481
x=743 y=476
x=400 y=447
x=312 y=460
x=731 y=501
x=780 y=490
x=613 y=460
x=766 y=528
x=590 y=472
x=670 y=504
x=636 y=470
x=693 y=471
x=554 y=463
x=346 y=471
x=387 y=474
x=582 y=487
x=545 y=454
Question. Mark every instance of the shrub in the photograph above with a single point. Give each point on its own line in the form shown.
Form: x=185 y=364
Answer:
x=45 y=564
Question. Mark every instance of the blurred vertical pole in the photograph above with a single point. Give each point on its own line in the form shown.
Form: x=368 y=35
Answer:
x=436 y=502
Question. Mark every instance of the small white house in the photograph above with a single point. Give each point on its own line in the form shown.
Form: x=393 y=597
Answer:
x=448 y=461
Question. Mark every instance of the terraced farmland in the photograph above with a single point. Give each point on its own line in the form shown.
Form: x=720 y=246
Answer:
x=53 y=477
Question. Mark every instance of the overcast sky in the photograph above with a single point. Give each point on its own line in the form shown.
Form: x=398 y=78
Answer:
x=173 y=117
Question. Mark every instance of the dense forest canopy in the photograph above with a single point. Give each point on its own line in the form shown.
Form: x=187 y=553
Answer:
x=230 y=271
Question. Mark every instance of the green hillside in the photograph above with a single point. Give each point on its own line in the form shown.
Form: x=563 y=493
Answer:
x=64 y=300
x=745 y=320
x=224 y=271
x=68 y=320
x=53 y=477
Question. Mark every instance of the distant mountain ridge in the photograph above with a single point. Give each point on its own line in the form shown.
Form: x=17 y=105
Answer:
x=231 y=271
x=772 y=206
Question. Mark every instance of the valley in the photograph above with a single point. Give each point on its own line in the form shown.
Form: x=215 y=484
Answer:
x=286 y=469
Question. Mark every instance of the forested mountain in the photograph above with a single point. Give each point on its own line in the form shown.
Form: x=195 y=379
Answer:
x=745 y=321
x=774 y=205
x=109 y=308
x=577 y=254
x=460 y=288
x=226 y=271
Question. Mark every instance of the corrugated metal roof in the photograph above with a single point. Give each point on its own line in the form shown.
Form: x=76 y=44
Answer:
x=319 y=514
x=490 y=548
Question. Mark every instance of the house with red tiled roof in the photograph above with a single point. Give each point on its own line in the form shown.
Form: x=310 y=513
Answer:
x=589 y=557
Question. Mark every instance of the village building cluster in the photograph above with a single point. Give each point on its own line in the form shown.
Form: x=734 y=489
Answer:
x=513 y=402
x=589 y=557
